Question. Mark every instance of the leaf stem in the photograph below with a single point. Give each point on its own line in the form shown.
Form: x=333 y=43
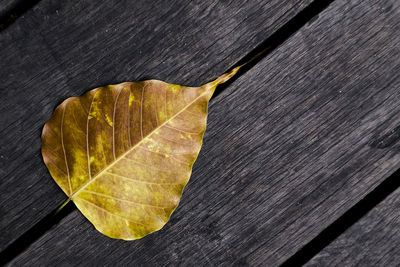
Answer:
x=229 y=74
x=62 y=206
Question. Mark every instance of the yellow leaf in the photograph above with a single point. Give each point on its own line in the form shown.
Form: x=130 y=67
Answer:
x=123 y=153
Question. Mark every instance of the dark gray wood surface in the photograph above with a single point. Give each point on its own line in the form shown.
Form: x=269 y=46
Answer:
x=61 y=49
x=372 y=241
x=291 y=145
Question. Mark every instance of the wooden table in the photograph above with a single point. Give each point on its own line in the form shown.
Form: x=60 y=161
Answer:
x=301 y=156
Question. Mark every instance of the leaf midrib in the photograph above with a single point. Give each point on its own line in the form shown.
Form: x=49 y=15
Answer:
x=138 y=143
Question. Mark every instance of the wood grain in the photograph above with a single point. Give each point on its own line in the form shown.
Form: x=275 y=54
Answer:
x=372 y=241
x=61 y=49
x=291 y=145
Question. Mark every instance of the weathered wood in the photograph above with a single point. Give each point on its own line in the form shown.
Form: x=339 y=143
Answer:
x=61 y=49
x=373 y=241
x=290 y=146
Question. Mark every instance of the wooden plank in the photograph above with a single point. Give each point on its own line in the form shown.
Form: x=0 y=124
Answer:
x=291 y=145
x=372 y=241
x=61 y=49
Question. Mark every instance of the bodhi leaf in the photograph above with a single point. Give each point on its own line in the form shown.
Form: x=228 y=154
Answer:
x=123 y=153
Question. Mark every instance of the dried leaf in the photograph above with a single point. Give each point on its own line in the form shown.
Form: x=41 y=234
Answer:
x=123 y=153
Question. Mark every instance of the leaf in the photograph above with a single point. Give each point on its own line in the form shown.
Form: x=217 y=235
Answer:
x=123 y=153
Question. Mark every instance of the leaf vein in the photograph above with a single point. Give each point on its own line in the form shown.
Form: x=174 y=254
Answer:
x=171 y=140
x=63 y=147
x=129 y=120
x=113 y=125
x=109 y=212
x=141 y=112
x=140 y=181
x=125 y=200
x=87 y=137
x=147 y=165
x=170 y=154
x=180 y=130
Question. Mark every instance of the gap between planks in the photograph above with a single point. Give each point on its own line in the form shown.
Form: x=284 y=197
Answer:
x=344 y=222
x=16 y=9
